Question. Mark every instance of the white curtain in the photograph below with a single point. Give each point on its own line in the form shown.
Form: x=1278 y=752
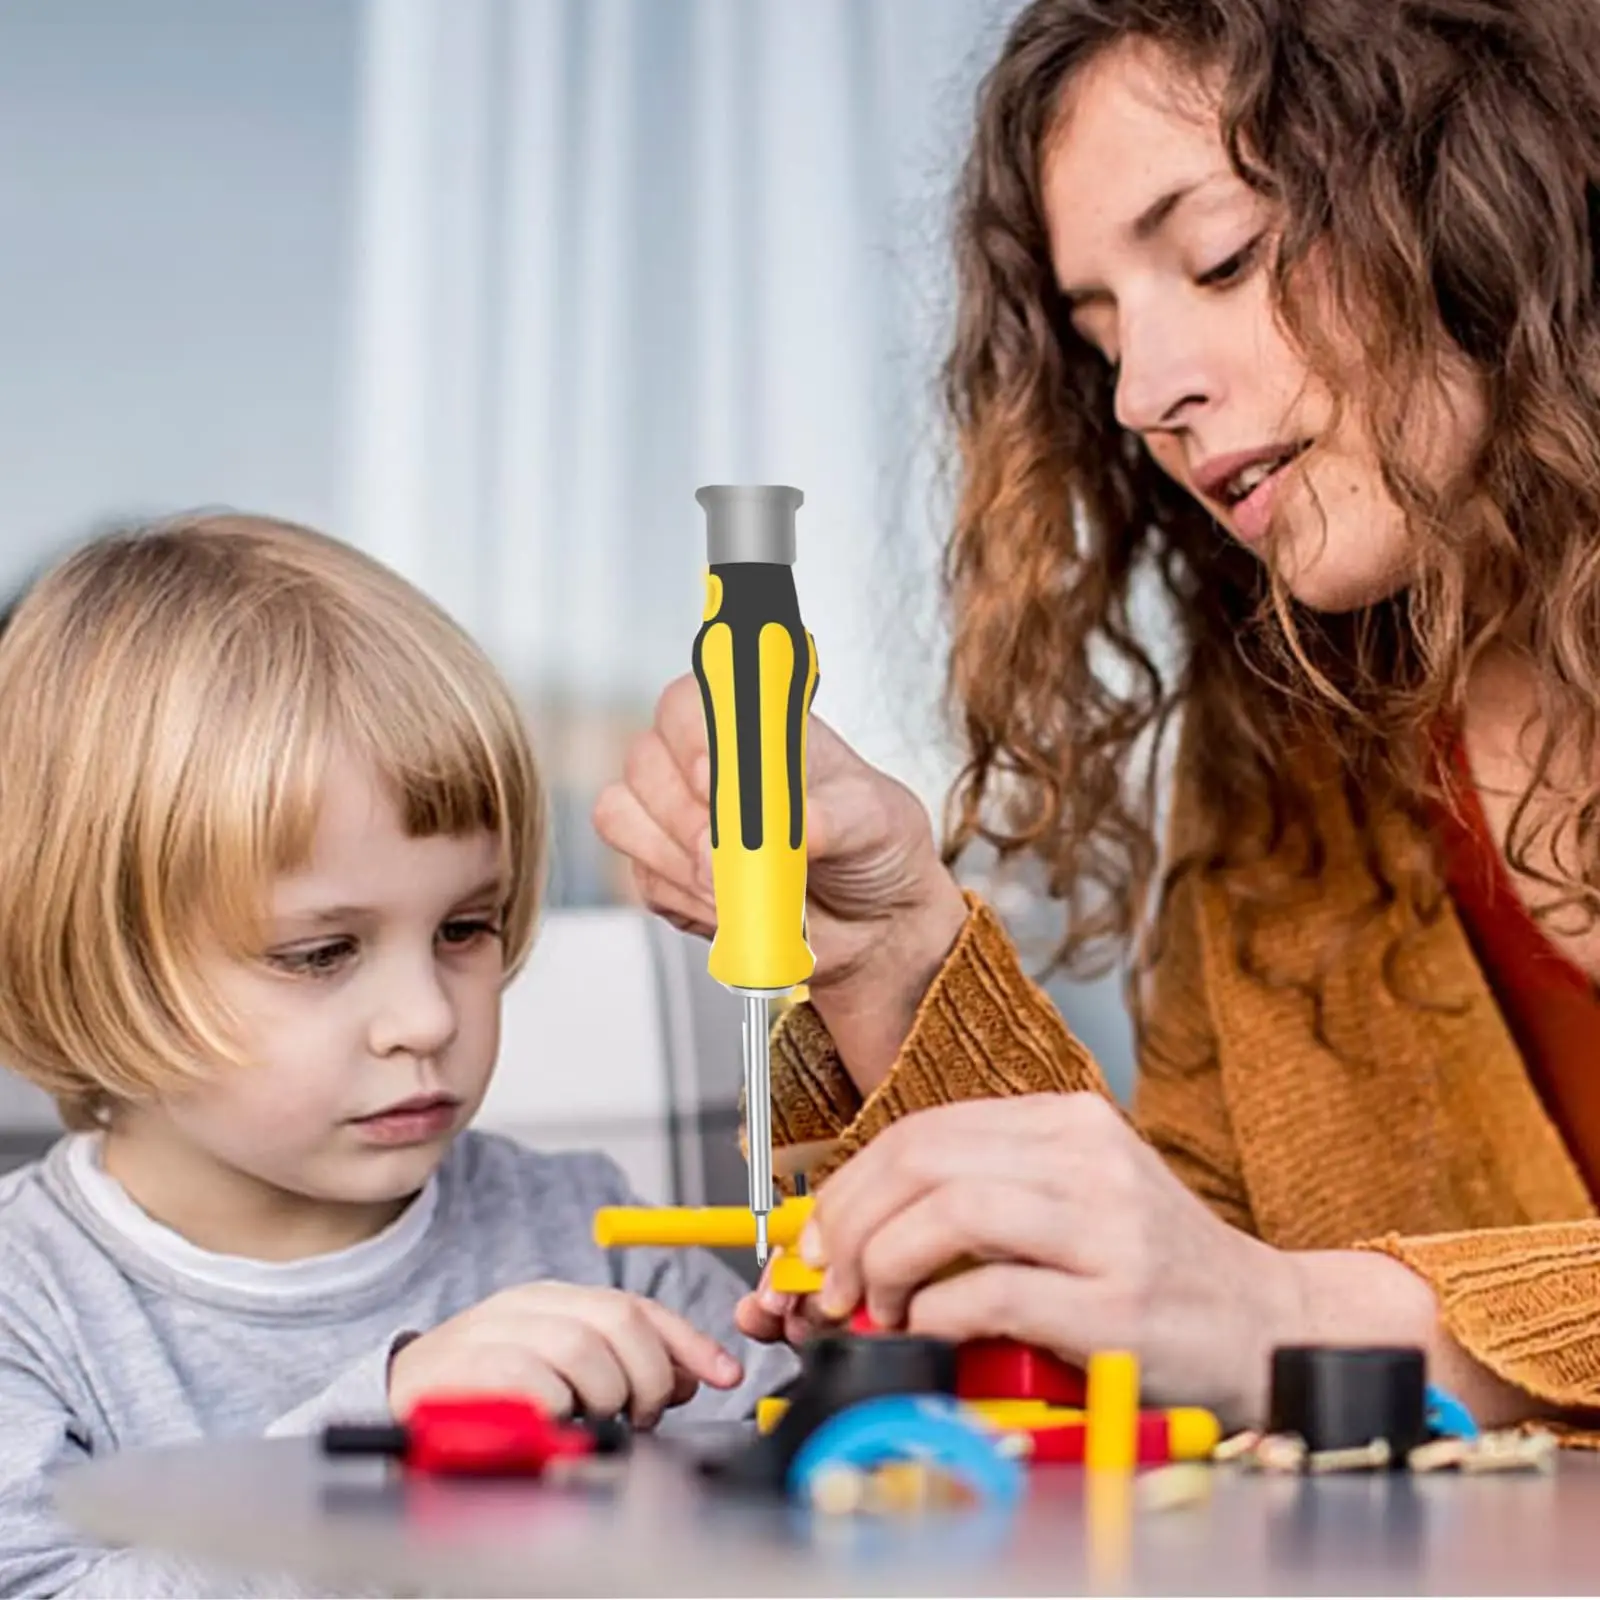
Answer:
x=610 y=250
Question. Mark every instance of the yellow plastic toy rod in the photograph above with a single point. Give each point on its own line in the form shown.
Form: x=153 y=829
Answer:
x=712 y=1227
x=1111 y=1441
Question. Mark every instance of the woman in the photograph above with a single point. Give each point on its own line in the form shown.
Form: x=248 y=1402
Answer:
x=1292 y=307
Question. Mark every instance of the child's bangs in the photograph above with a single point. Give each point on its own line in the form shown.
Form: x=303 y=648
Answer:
x=440 y=745
x=443 y=734
x=405 y=697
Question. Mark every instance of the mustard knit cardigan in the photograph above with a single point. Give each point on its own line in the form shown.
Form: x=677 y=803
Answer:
x=1427 y=1139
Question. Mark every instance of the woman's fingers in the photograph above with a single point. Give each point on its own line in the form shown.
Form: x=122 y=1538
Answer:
x=655 y=779
x=802 y=1320
x=767 y=1315
x=680 y=724
x=966 y=1137
x=756 y=1320
x=621 y=819
x=1023 y=1142
x=954 y=1225
x=686 y=912
x=1061 y=1313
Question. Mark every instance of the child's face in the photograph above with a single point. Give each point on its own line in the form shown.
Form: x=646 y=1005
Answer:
x=371 y=1018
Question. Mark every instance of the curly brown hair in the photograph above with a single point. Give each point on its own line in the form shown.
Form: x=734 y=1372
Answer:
x=1441 y=156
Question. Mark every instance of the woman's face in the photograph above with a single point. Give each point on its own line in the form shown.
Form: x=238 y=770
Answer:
x=1164 y=256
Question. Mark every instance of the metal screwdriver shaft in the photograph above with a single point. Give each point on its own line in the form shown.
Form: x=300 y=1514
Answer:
x=757 y=670
x=758 y=1098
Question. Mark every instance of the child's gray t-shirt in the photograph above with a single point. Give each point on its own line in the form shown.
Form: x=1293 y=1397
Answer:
x=116 y=1333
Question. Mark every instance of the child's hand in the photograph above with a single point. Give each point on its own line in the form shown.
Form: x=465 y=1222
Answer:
x=568 y=1347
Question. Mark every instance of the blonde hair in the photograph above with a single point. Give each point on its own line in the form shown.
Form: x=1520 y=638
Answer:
x=170 y=697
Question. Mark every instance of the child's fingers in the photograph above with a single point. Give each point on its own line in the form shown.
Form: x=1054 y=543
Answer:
x=549 y=1389
x=521 y=1371
x=693 y=1351
x=637 y=1345
x=683 y=1387
x=581 y=1357
x=771 y=1318
x=504 y=1365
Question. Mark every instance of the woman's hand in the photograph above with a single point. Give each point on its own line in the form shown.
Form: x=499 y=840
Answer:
x=769 y=1316
x=881 y=911
x=1065 y=1230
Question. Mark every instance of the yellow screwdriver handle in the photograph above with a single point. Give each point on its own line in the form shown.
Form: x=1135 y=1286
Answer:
x=757 y=669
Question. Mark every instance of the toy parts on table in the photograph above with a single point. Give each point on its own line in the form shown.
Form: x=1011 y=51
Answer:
x=882 y=1422
x=1331 y=1410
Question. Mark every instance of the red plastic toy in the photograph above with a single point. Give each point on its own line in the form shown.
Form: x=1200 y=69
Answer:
x=1004 y=1369
x=1065 y=1443
x=468 y=1434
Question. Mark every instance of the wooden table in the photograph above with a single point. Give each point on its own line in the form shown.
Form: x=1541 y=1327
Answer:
x=649 y=1524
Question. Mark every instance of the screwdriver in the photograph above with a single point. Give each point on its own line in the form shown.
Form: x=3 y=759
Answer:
x=757 y=669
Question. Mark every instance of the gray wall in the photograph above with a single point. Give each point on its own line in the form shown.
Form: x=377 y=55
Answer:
x=174 y=198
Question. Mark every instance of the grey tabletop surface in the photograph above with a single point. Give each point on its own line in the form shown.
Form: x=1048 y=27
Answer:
x=651 y=1524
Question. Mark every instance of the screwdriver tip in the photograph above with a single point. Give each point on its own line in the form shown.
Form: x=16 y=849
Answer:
x=761 y=1240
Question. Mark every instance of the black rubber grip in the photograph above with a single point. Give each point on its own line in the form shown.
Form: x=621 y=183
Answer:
x=754 y=595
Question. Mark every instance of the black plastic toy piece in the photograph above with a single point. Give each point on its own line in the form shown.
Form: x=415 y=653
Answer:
x=837 y=1370
x=1342 y=1399
x=613 y=1436
x=365 y=1439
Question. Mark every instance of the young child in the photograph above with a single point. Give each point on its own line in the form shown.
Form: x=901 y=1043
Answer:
x=271 y=843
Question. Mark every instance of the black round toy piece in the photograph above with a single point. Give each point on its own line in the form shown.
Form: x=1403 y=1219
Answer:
x=1342 y=1399
x=843 y=1368
x=837 y=1370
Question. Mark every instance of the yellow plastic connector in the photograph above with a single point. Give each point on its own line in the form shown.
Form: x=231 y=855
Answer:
x=713 y=1227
